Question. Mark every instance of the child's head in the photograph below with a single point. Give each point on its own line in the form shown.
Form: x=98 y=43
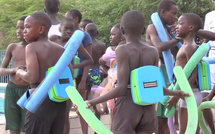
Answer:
x=51 y=6
x=67 y=28
x=167 y=10
x=91 y=28
x=129 y=24
x=36 y=26
x=84 y=23
x=75 y=15
x=20 y=28
x=116 y=35
x=188 y=23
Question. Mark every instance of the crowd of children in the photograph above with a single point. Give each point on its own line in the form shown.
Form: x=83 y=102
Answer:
x=104 y=74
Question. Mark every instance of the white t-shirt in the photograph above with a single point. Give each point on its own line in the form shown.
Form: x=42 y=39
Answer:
x=210 y=25
x=54 y=30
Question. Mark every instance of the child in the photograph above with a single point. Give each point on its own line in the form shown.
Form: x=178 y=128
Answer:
x=67 y=28
x=98 y=49
x=76 y=16
x=41 y=54
x=135 y=53
x=188 y=25
x=15 y=116
x=167 y=10
x=116 y=38
x=51 y=8
x=84 y=23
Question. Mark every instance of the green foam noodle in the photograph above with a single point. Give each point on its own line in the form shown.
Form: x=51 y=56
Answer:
x=87 y=114
x=192 y=111
x=202 y=123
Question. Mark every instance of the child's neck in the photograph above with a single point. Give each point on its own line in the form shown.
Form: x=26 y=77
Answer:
x=24 y=43
x=189 y=38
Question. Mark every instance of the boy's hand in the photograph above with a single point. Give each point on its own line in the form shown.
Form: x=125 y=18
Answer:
x=88 y=104
x=181 y=94
x=76 y=107
x=172 y=102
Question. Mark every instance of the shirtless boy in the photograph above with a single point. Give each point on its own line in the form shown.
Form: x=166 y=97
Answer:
x=135 y=53
x=41 y=54
x=16 y=87
x=188 y=25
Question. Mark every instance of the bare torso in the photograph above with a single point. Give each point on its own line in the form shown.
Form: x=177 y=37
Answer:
x=16 y=52
x=98 y=49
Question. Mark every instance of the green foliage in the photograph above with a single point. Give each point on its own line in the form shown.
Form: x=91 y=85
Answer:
x=104 y=13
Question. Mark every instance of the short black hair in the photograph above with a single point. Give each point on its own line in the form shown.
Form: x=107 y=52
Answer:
x=166 y=5
x=193 y=19
x=87 y=21
x=22 y=18
x=75 y=13
x=43 y=19
x=51 y=6
x=92 y=29
x=130 y=24
x=67 y=20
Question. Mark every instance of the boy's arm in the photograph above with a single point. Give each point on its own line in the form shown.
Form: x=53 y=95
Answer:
x=32 y=73
x=208 y=35
x=82 y=84
x=5 y=62
x=151 y=35
x=123 y=72
x=88 y=60
x=103 y=64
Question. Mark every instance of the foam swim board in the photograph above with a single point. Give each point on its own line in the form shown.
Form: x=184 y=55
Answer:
x=76 y=60
x=202 y=123
x=58 y=93
x=167 y=56
x=42 y=90
x=192 y=111
x=87 y=114
x=204 y=79
x=188 y=69
x=146 y=85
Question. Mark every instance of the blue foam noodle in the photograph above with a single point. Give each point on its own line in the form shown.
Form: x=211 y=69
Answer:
x=42 y=91
x=23 y=98
x=167 y=56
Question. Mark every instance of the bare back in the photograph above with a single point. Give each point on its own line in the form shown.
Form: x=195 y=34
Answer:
x=98 y=49
x=133 y=55
x=40 y=56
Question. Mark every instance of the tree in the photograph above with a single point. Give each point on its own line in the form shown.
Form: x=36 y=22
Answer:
x=104 y=13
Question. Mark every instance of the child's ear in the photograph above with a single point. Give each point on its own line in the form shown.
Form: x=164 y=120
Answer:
x=191 y=27
x=122 y=30
x=42 y=29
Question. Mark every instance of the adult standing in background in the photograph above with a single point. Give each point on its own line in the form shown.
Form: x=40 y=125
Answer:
x=51 y=8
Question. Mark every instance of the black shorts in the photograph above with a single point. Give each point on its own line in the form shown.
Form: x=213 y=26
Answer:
x=48 y=118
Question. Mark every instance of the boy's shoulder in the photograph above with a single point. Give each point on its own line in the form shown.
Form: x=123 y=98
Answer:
x=55 y=38
x=13 y=46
